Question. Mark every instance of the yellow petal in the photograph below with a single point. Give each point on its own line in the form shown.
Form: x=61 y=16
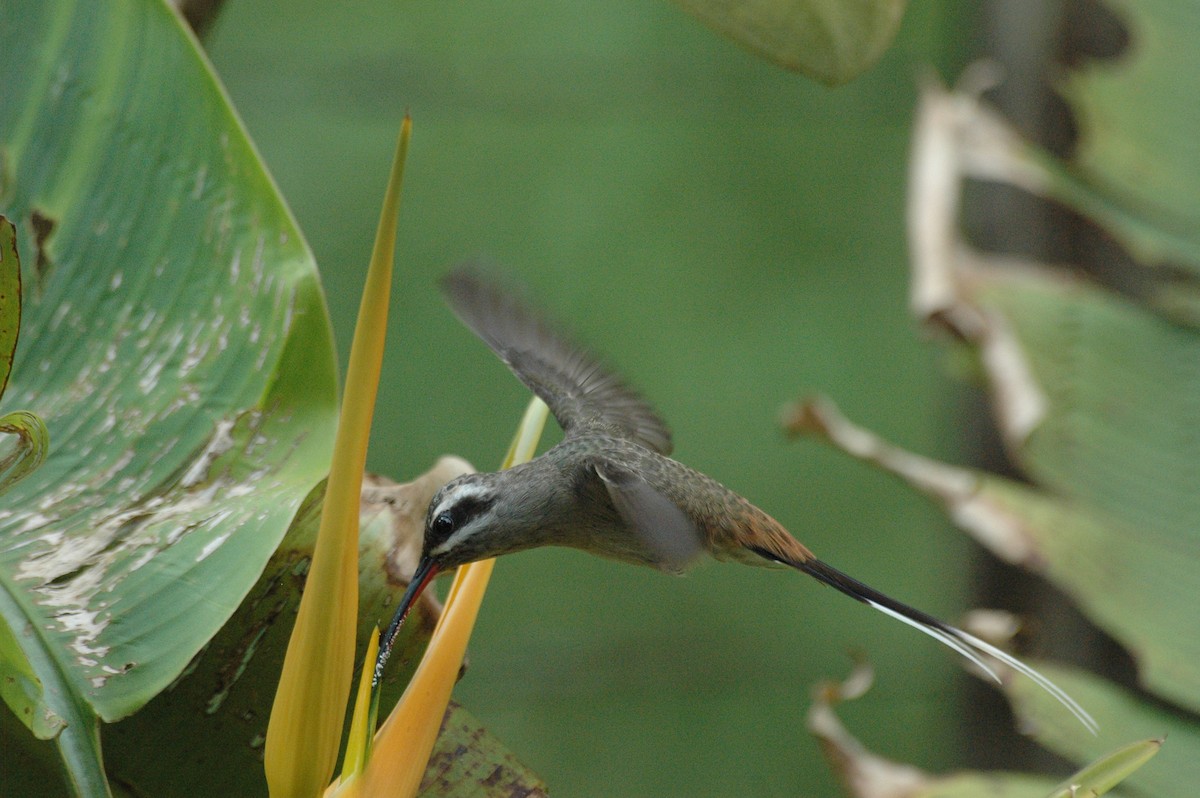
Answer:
x=305 y=728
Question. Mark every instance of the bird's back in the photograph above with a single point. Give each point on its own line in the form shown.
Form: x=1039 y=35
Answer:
x=729 y=526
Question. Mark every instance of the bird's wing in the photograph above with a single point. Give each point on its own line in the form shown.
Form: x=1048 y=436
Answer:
x=580 y=392
x=663 y=527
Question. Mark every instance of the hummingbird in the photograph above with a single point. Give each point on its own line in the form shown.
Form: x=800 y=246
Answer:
x=610 y=487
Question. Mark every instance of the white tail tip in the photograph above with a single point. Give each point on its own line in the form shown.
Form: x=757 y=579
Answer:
x=973 y=648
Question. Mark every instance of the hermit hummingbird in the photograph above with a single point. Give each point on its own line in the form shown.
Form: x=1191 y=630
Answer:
x=610 y=487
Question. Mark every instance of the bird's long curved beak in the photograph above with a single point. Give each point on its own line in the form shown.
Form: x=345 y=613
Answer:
x=426 y=571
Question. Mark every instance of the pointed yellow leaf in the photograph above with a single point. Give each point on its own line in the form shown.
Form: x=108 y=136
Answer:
x=305 y=728
x=358 y=744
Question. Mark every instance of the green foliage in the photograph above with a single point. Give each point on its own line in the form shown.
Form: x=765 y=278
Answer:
x=833 y=41
x=24 y=430
x=1108 y=771
x=10 y=299
x=1113 y=516
x=1127 y=716
x=1094 y=390
x=22 y=690
x=29 y=439
x=1134 y=147
x=175 y=341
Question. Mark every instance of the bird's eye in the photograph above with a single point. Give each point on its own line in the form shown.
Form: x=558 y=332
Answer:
x=443 y=524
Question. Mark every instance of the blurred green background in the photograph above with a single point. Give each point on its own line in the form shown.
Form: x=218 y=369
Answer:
x=729 y=236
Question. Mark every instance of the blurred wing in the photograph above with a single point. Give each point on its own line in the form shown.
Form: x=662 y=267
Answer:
x=579 y=391
x=663 y=527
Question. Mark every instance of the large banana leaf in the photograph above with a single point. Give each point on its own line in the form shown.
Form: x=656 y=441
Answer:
x=174 y=340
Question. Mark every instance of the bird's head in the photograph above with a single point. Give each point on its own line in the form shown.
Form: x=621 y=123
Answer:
x=458 y=530
x=462 y=524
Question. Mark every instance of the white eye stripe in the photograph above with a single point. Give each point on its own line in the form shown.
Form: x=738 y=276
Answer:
x=458 y=494
x=465 y=493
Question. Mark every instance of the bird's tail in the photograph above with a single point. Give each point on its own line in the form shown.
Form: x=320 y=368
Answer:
x=965 y=644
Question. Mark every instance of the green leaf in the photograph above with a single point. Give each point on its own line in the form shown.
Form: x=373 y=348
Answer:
x=1136 y=118
x=1092 y=393
x=833 y=41
x=1114 y=453
x=78 y=742
x=10 y=299
x=1122 y=715
x=1077 y=550
x=1108 y=771
x=1135 y=580
x=1136 y=168
x=31 y=444
x=175 y=341
x=22 y=690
